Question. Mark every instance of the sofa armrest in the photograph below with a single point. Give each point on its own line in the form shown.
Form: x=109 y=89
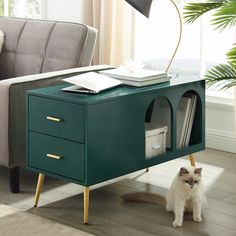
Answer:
x=13 y=110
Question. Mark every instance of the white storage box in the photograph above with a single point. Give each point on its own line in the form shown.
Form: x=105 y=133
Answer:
x=155 y=141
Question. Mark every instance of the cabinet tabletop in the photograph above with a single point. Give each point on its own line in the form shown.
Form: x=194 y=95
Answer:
x=55 y=92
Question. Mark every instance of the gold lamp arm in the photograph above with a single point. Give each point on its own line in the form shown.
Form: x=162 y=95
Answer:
x=180 y=35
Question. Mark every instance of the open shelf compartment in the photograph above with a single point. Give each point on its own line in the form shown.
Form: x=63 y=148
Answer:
x=188 y=120
x=158 y=123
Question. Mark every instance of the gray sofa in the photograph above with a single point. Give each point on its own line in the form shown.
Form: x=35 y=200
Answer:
x=31 y=51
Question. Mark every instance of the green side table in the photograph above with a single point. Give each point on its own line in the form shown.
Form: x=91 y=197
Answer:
x=88 y=139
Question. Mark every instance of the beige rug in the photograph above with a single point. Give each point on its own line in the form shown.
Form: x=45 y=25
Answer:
x=20 y=223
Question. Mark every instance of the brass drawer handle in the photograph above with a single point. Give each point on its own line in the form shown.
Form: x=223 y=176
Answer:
x=55 y=119
x=54 y=156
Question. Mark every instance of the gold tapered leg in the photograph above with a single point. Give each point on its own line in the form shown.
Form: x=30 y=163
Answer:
x=86 y=204
x=38 y=189
x=192 y=160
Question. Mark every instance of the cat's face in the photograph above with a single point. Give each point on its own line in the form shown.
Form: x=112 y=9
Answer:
x=190 y=176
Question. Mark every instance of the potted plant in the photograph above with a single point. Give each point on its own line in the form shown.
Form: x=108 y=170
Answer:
x=224 y=17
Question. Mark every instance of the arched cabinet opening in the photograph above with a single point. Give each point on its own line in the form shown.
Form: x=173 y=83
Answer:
x=158 y=124
x=189 y=125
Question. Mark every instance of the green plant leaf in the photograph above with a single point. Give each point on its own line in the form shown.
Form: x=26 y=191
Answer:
x=231 y=56
x=194 y=10
x=222 y=74
x=225 y=16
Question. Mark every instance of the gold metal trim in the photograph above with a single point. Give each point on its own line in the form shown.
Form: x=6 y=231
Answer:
x=86 y=205
x=38 y=189
x=54 y=156
x=55 y=119
x=180 y=35
x=192 y=160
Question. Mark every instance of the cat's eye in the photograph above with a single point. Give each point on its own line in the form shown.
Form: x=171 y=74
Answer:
x=191 y=182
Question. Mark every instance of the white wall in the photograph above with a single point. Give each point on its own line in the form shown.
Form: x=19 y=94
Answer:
x=63 y=10
x=220 y=125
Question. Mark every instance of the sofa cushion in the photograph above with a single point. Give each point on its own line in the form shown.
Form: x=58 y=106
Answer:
x=35 y=46
x=12 y=30
x=31 y=48
x=61 y=45
x=1 y=40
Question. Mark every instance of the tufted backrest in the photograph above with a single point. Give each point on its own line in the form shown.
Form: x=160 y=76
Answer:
x=36 y=46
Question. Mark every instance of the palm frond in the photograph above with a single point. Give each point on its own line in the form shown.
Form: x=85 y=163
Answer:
x=231 y=56
x=222 y=74
x=194 y=10
x=225 y=16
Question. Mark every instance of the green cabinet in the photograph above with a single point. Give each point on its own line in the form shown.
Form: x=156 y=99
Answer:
x=102 y=136
x=56 y=118
x=57 y=156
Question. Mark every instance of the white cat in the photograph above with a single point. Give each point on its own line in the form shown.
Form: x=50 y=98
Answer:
x=186 y=194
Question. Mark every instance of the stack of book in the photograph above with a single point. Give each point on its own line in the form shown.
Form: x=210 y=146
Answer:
x=161 y=116
x=185 y=116
x=140 y=78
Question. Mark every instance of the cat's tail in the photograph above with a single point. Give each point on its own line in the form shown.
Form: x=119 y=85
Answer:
x=145 y=197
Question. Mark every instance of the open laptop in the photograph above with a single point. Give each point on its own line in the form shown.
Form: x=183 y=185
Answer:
x=90 y=82
x=79 y=89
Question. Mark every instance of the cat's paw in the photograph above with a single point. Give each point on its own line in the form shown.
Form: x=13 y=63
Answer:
x=168 y=208
x=177 y=223
x=197 y=219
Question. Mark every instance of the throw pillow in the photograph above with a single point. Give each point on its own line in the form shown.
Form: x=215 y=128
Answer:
x=1 y=40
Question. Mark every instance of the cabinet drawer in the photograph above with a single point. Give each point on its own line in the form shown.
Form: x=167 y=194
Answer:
x=57 y=118
x=55 y=155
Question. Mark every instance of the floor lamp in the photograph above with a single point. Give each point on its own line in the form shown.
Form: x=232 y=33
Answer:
x=144 y=6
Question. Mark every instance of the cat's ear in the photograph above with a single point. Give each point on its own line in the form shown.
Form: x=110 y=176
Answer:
x=183 y=171
x=198 y=171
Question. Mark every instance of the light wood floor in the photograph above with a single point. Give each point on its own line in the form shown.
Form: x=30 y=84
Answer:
x=109 y=215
